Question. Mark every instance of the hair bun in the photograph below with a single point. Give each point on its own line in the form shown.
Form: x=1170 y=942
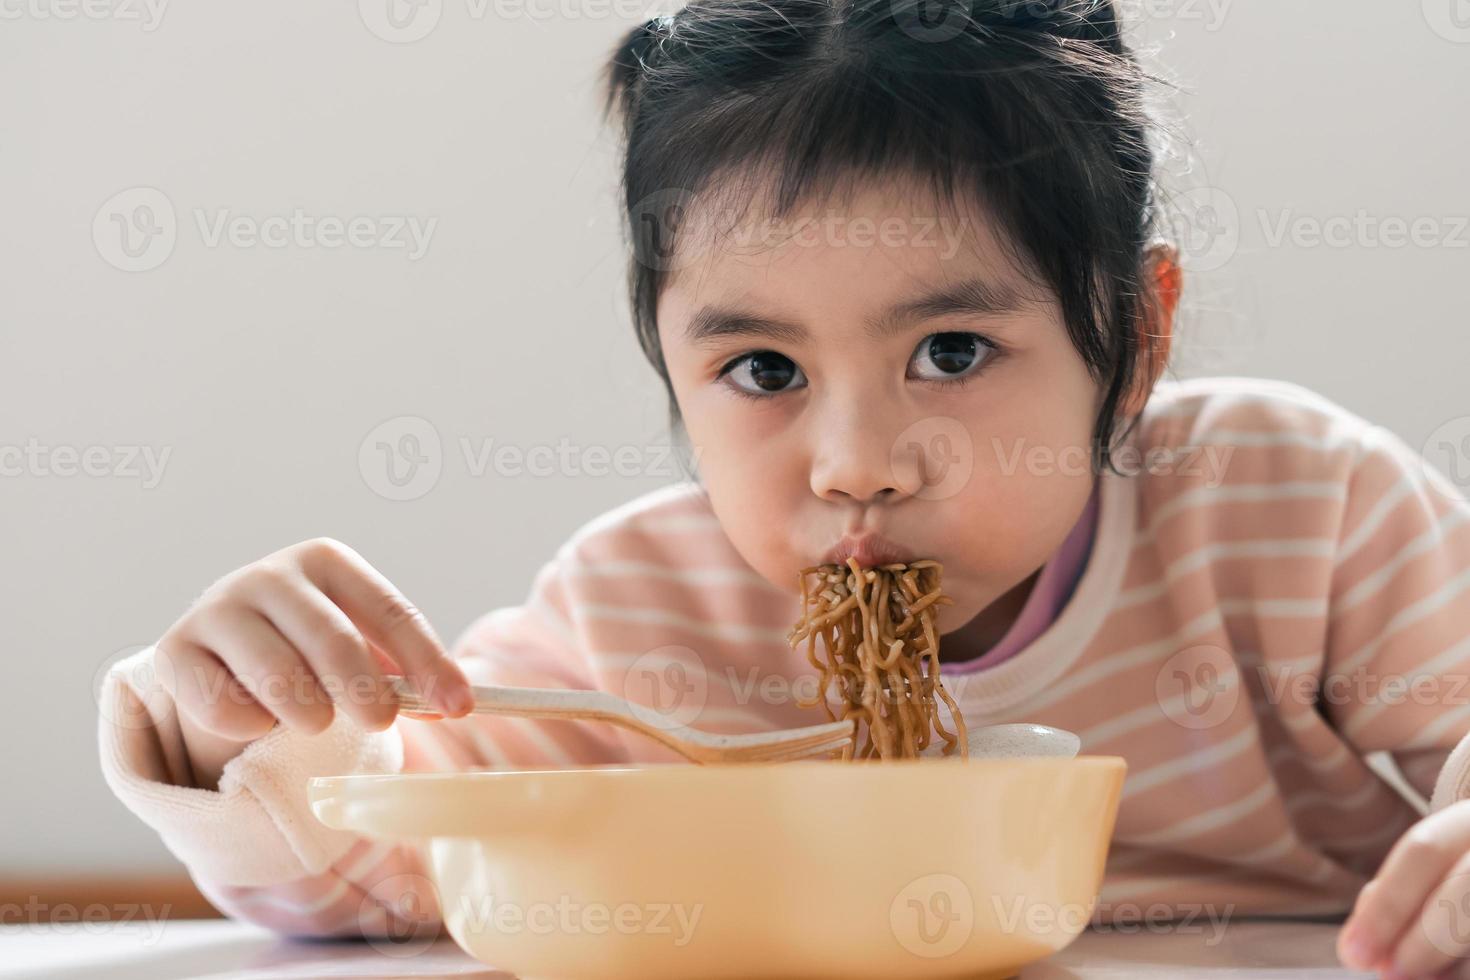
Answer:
x=641 y=42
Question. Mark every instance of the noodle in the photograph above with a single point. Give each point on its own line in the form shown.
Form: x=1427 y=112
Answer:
x=877 y=626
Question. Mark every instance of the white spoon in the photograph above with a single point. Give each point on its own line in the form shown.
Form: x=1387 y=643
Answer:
x=1018 y=741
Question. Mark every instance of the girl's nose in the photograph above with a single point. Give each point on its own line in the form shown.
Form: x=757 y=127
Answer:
x=855 y=467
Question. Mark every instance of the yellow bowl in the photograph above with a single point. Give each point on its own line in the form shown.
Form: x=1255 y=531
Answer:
x=936 y=868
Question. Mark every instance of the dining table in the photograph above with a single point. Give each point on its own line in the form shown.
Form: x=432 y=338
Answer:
x=222 y=949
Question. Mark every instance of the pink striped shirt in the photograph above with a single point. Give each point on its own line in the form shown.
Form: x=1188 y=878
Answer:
x=1272 y=617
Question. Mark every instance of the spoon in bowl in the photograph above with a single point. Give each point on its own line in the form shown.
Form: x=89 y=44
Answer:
x=1018 y=741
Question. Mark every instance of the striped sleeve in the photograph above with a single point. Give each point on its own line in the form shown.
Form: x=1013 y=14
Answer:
x=535 y=644
x=1397 y=671
x=253 y=846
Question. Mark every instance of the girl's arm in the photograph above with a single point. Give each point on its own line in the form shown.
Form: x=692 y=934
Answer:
x=253 y=846
x=1399 y=651
x=1396 y=676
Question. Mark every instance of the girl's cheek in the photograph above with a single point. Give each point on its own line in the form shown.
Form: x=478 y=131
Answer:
x=1028 y=477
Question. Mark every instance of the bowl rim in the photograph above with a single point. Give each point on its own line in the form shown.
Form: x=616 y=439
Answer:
x=435 y=801
x=638 y=770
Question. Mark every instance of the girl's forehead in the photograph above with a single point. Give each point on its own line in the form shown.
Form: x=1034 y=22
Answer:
x=830 y=292
x=741 y=210
x=875 y=236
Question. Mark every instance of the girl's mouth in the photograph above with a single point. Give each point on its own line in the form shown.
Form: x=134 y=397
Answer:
x=869 y=550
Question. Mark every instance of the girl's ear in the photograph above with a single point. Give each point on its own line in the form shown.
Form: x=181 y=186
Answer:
x=1157 y=323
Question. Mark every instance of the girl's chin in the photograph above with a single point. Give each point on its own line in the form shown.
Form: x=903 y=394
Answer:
x=952 y=619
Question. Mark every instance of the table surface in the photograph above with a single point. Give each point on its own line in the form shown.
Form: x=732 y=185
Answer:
x=225 y=950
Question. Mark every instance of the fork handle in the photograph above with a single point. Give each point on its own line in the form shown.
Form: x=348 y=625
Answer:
x=524 y=702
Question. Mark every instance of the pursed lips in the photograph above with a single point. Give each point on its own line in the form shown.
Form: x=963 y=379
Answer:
x=869 y=550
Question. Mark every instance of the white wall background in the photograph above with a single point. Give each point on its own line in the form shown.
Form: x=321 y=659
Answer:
x=262 y=370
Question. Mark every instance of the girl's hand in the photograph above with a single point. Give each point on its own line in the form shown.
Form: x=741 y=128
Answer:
x=1413 y=919
x=286 y=639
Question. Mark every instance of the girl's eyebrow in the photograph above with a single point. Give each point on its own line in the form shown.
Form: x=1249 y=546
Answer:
x=974 y=297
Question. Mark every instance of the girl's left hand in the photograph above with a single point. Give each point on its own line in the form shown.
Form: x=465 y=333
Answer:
x=1413 y=919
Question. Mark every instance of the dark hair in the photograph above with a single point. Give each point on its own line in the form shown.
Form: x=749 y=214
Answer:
x=1035 y=108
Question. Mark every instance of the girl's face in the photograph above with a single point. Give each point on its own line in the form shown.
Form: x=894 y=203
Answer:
x=880 y=381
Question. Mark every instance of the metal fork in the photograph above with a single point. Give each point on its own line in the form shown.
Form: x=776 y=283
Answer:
x=784 y=745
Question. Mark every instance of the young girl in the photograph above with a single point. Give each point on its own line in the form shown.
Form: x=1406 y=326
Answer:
x=902 y=277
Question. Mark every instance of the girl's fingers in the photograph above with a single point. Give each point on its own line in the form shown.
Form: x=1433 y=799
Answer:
x=338 y=654
x=385 y=663
x=391 y=621
x=1392 y=901
x=1440 y=939
x=269 y=667
x=388 y=667
x=204 y=690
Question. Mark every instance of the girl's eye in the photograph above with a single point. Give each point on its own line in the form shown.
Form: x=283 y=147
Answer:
x=764 y=373
x=950 y=356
